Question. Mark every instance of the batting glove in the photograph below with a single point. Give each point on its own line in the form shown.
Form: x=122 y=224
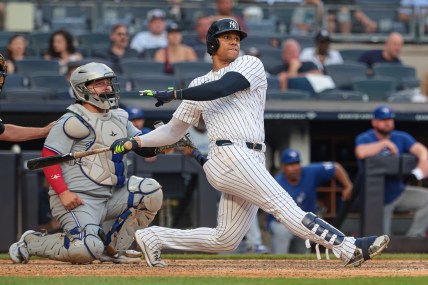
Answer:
x=162 y=96
x=118 y=146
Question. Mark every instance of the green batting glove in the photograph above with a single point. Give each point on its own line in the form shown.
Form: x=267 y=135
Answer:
x=118 y=146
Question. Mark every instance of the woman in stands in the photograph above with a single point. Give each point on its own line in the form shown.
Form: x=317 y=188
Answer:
x=16 y=50
x=61 y=48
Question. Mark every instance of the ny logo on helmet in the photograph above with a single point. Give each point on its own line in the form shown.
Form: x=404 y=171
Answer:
x=233 y=25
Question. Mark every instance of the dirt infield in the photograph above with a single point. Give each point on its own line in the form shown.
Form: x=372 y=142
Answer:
x=217 y=268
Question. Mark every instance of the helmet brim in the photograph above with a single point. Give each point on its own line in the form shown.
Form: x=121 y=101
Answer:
x=242 y=35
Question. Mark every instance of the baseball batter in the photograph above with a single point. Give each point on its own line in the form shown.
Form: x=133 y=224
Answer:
x=86 y=192
x=231 y=100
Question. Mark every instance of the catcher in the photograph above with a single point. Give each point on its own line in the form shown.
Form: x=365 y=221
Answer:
x=13 y=133
x=92 y=189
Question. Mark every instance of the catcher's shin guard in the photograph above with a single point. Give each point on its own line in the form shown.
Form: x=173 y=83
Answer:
x=146 y=196
x=76 y=246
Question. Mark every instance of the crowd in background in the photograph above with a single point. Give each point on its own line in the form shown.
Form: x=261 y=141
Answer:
x=167 y=41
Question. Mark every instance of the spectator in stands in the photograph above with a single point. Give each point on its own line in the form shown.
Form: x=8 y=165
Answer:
x=344 y=17
x=389 y=54
x=175 y=51
x=224 y=9
x=136 y=117
x=119 y=48
x=413 y=12
x=292 y=66
x=307 y=17
x=203 y=23
x=155 y=37
x=301 y=184
x=16 y=50
x=322 y=54
x=61 y=48
x=176 y=12
x=383 y=140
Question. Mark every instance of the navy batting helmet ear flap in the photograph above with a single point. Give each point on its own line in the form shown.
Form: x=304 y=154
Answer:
x=219 y=27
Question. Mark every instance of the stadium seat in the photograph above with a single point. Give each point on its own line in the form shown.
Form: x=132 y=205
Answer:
x=400 y=73
x=273 y=83
x=343 y=74
x=56 y=82
x=27 y=66
x=39 y=41
x=13 y=81
x=91 y=40
x=378 y=89
x=153 y=82
x=289 y=94
x=351 y=55
x=25 y=94
x=300 y=83
x=185 y=71
x=342 y=95
x=132 y=67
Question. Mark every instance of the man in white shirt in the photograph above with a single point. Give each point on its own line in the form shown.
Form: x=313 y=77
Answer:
x=155 y=37
x=321 y=54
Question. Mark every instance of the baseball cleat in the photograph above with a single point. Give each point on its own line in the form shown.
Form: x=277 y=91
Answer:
x=367 y=248
x=152 y=257
x=18 y=252
x=128 y=257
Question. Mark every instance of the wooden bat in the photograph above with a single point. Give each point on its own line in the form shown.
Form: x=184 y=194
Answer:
x=41 y=162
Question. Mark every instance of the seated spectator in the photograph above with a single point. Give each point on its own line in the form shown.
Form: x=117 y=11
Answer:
x=344 y=17
x=389 y=54
x=203 y=23
x=176 y=12
x=322 y=54
x=61 y=48
x=224 y=9
x=155 y=37
x=15 y=51
x=292 y=66
x=301 y=184
x=307 y=17
x=175 y=51
x=411 y=11
x=119 y=48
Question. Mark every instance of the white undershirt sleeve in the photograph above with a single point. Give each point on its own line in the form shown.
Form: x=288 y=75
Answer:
x=166 y=134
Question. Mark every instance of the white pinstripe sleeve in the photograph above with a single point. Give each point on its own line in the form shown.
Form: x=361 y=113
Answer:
x=252 y=69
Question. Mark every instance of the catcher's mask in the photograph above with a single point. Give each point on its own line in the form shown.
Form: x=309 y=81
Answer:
x=3 y=71
x=219 y=27
x=94 y=71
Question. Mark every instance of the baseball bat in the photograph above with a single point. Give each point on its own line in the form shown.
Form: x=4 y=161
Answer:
x=41 y=162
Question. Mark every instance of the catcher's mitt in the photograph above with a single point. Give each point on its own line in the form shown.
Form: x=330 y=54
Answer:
x=3 y=71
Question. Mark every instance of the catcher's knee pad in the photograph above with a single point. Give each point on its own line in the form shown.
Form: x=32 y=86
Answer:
x=78 y=246
x=151 y=195
x=146 y=197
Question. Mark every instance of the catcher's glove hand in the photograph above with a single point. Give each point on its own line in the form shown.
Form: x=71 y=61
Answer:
x=3 y=71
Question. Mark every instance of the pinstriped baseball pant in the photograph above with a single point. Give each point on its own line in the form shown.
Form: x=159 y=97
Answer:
x=246 y=185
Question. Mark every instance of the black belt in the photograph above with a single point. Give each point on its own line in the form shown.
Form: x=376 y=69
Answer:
x=250 y=145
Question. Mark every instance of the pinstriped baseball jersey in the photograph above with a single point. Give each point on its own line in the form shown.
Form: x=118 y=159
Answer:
x=238 y=116
x=236 y=170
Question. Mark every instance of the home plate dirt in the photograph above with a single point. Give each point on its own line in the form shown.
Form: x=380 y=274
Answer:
x=232 y=268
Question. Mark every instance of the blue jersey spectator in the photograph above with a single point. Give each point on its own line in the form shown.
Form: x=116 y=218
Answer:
x=301 y=183
x=382 y=139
